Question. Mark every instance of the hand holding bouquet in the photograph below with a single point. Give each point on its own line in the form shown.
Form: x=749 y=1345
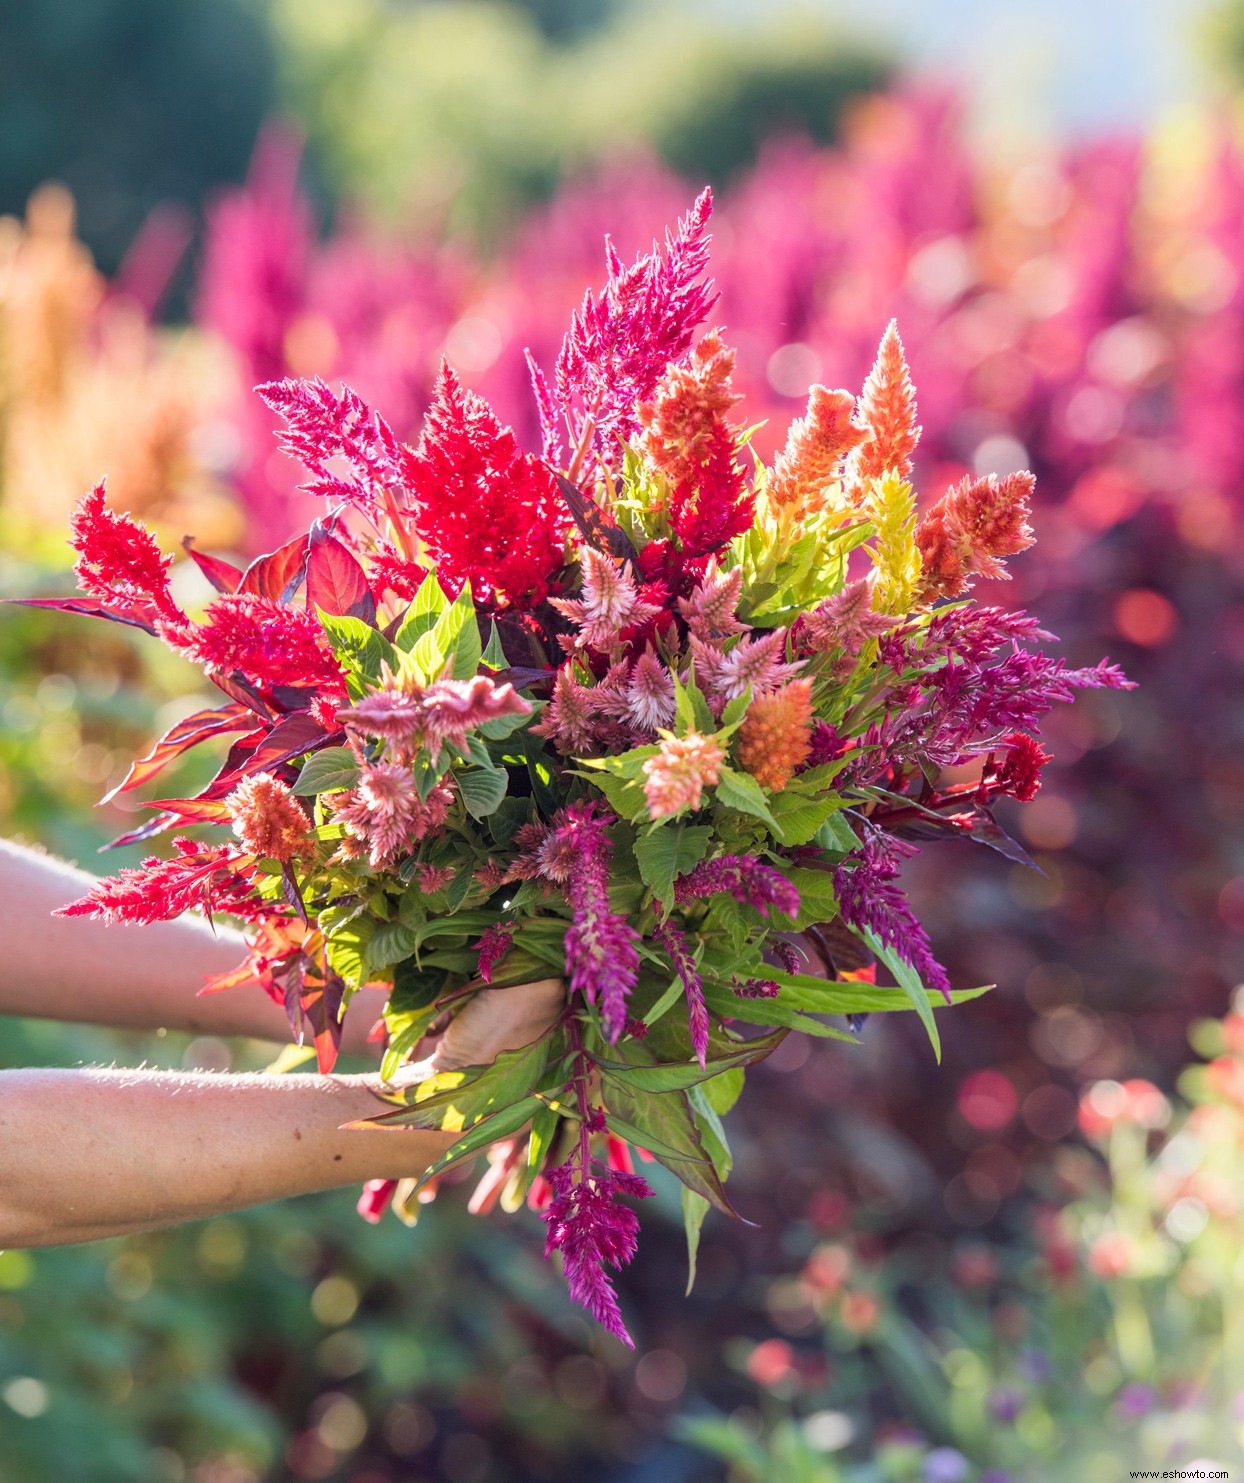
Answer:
x=636 y=713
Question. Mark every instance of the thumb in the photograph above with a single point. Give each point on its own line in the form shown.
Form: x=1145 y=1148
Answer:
x=496 y=1020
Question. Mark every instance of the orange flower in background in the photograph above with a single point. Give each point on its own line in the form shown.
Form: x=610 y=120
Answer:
x=776 y=735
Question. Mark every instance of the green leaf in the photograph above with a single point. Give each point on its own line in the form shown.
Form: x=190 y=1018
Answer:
x=360 y=648
x=910 y=982
x=779 y=1011
x=392 y=942
x=347 y=933
x=741 y=791
x=830 y=996
x=626 y=797
x=453 y=1101
x=494 y=655
x=694 y=1209
x=327 y=771
x=482 y=789
x=798 y=819
x=679 y=1076
x=422 y=614
x=836 y=834
x=499 y=1125
x=736 y=709
x=543 y=1130
x=665 y=853
x=664 y=1125
x=723 y=1091
x=456 y=635
x=711 y=1131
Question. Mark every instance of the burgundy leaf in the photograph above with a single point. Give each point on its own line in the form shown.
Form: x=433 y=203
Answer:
x=336 y=583
x=279 y=574
x=145 y=831
x=223 y=575
x=178 y=739
x=194 y=810
x=320 y=1002
x=87 y=607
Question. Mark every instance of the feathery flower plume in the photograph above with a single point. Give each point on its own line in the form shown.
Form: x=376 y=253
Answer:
x=816 y=446
x=619 y=346
x=323 y=429
x=687 y=407
x=488 y=513
x=600 y=945
x=887 y=412
x=407 y=716
x=267 y=642
x=845 y=622
x=433 y=878
x=970 y=529
x=750 y=881
x=890 y=503
x=650 y=694
x=493 y=946
x=868 y=896
x=589 y=1228
x=384 y=812
x=671 y=938
x=679 y=773
x=755 y=663
x=267 y=818
x=709 y=612
x=608 y=602
x=119 y=561
x=194 y=879
x=757 y=988
x=776 y=735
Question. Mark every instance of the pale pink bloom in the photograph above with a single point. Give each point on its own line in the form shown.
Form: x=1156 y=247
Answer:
x=679 y=773
x=384 y=812
x=608 y=601
x=451 y=708
x=650 y=694
x=845 y=621
x=758 y=663
x=709 y=611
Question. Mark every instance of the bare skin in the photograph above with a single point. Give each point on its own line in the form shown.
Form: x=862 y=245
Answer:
x=96 y=1152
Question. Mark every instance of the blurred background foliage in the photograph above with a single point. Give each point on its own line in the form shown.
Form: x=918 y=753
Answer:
x=943 y=1254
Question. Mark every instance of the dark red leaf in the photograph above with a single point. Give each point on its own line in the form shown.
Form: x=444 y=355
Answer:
x=87 y=607
x=320 y=1003
x=336 y=583
x=598 y=529
x=194 y=810
x=240 y=689
x=292 y=892
x=180 y=738
x=279 y=574
x=223 y=575
x=149 y=830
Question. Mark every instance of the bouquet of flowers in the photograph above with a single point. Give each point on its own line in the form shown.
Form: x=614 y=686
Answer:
x=635 y=711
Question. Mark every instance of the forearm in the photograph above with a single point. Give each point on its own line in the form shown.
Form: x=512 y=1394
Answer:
x=93 y=1153
x=127 y=977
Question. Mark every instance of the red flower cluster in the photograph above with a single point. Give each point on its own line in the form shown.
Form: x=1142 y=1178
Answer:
x=270 y=644
x=159 y=890
x=489 y=514
x=119 y=561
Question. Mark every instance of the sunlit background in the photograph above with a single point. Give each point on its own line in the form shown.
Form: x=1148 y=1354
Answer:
x=1024 y=1264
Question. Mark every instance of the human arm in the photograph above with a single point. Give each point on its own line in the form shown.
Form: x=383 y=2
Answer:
x=125 y=976
x=103 y=1152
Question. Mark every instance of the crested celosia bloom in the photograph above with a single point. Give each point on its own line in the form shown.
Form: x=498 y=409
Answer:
x=384 y=813
x=887 y=412
x=588 y=1226
x=756 y=664
x=433 y=878
x=816 y=447
x=677 y=776
x=650 y=693
x=487 y=512
x=267 y=818
x=970 y=529
x=748 y=880
x=269 y=643
x=776 y=735
x=119 y=561
x=1019 y=775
